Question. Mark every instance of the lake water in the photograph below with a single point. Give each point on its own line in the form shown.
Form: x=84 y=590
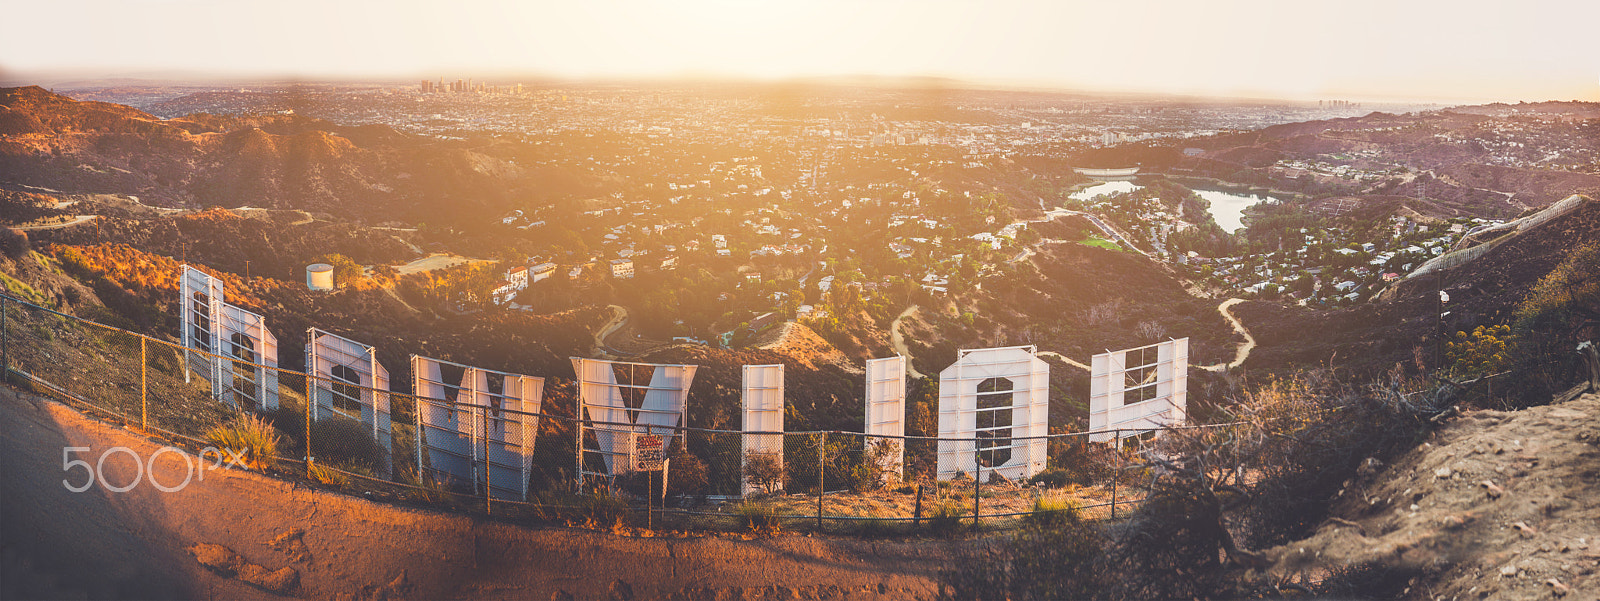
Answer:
x=1227 y=208
x=1090 y=192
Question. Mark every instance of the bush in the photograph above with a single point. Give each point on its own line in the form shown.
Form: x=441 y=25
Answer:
x=14 y=243
x=248 y=436
x=1371 y=580
x=324 y=474
x=765 y=471
x=426 y=487
x=1061 y=561
x=949 y=518
x=1053 y=512
x=604 y=511
x=686 y=475
x=345 y=442
x=1054 y=477
x=759 y=517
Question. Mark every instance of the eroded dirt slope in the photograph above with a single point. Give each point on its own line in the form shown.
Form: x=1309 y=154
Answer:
x=1499 y=505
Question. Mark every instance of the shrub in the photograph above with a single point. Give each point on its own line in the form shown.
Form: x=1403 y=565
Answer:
x=326 y=475
x=1061 y=561
x=1371 y=580
x=765 y=471
x=250 y=437
x=949 y=518
x=14 y=243
x=759 y=517
x=346 y=442
x=1053 y=512
x=604 y=510
x=425 y=486
x=686 y=474
x=1054 y=477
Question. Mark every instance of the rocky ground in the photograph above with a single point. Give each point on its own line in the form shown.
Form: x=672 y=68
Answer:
x=1495 y=505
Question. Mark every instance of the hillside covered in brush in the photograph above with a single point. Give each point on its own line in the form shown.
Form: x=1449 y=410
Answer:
x=281 y=161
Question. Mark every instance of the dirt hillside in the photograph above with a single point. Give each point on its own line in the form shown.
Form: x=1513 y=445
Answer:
x=145 y=543
x=1496 y=505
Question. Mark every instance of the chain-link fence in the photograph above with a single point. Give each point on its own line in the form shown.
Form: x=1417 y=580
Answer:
x=477 y=441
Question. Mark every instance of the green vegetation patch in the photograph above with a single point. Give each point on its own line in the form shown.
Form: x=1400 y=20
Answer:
x=1099 y=242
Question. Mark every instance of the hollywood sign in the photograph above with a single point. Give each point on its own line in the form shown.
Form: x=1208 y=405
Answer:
x=993 y=402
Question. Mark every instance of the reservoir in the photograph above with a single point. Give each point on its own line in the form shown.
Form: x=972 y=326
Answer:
x=1227 y=208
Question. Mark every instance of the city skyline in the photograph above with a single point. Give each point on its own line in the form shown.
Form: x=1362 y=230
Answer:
x=1440 y=51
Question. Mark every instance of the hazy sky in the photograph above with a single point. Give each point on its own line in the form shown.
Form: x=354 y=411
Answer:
x=1447 y=50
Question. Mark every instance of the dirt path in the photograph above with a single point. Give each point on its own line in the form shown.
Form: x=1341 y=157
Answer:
x=1243 y=351
x=619 y=316
x=389 y=290
x=1064 y=358
x=899 y=341
x=135 y=544
x=56 y=226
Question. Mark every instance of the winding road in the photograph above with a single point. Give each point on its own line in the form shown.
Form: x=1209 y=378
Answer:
x=1243 y=351
x=619 y=316
x=1240 y=354
x=54 y=226
x=899 y=341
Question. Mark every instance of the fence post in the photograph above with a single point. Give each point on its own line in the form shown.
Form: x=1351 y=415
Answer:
x=483 y=442
x=822 y=473
x=416 y=428
x=577 y=429
x=5 y=339
x=977 y=481
x=144 y=387
x=1116 y=443
x=311 y=403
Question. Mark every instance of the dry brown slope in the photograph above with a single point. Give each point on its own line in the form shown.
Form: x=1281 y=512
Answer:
x=134 y=544
x=1504 y=504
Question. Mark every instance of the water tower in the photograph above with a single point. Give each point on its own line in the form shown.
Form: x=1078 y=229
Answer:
x=319 y=276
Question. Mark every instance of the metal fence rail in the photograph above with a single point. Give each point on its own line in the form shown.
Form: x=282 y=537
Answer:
x=451 y=454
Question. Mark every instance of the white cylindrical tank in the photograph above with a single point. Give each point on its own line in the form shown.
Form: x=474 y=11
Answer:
x=319 y=276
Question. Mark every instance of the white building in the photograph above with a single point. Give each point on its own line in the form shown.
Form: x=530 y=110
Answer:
x=622 y=268
x=542 y=271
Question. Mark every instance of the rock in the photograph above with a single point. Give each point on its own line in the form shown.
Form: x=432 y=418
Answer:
x=1556 y=587
x=228 y=563
x=217 y=557
x=1508 y=571
x=279 y=581
x=1494 y=491
x=290 y=544
x=619 y=591
x=1526 y=530
x=1443 y=473
x=1369 y=468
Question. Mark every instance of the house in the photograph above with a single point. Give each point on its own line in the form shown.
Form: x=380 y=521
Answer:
x=669 y=262
x=542 y=271
x=762 y=321
x=518 y=276
x=622 y=268
x=752 y=276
